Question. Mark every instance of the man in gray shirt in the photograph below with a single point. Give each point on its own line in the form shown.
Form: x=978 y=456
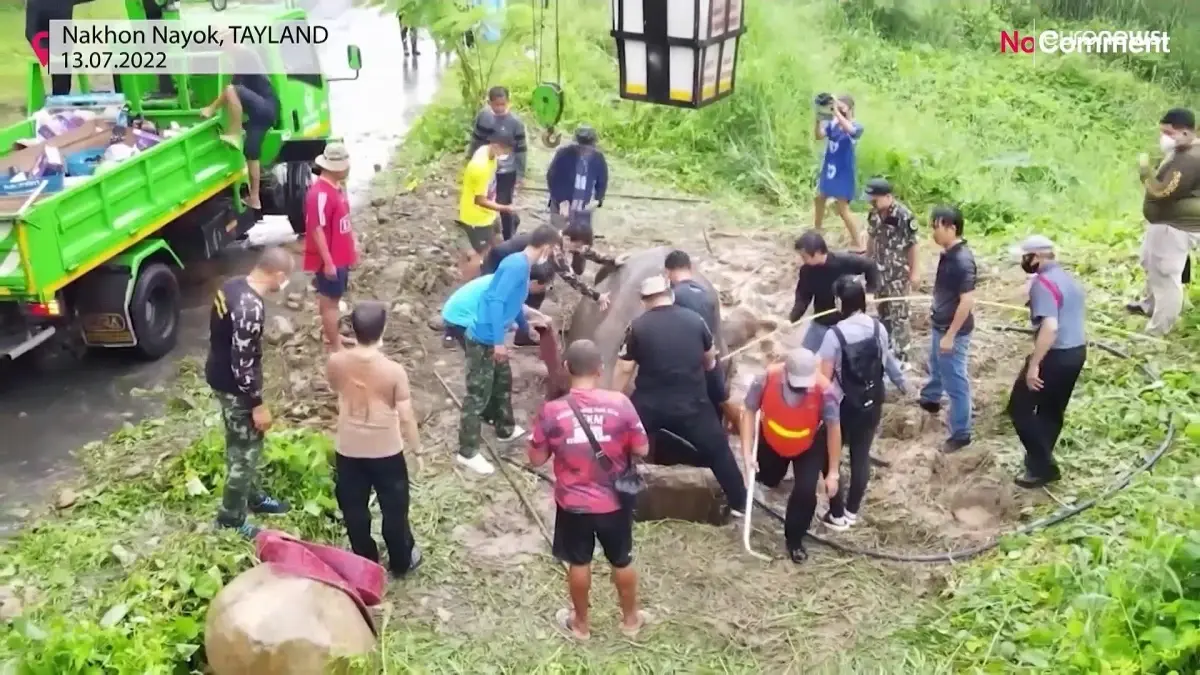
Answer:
x=510 y=172
x=1043 y=388
x=854 y=355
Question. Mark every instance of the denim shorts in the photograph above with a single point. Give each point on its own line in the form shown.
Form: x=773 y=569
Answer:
x=333 y=288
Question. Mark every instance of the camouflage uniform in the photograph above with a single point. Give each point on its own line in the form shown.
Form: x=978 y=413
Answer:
x=488 y=399
x=893 y=233
x=243 y=445
x=570 y=270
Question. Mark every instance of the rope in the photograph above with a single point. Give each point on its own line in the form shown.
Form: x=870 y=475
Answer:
x=497 y=457
x=539 y=30
x=557 y=52
x=922 y=298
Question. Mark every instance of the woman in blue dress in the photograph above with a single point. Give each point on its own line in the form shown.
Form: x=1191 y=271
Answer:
x=836 y=178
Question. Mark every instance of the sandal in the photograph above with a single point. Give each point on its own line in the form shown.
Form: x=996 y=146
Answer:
x=564 y=619
x=631 y=633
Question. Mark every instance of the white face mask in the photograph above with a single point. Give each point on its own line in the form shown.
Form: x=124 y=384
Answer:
x=1166 y=143
x=284 y=285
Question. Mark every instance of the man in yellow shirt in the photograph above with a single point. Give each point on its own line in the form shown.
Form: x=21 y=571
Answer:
x=477 y=207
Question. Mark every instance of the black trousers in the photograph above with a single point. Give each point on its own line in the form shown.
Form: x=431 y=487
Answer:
x=1038 y=416
x=703 y=429
x=807 y=470
x=38 y=20
x=858 y=433
x=506 y=186
x=388 y=476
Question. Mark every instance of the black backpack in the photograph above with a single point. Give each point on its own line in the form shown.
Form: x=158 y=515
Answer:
x=862 y=371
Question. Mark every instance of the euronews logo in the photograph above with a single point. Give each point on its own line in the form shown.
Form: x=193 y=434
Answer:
x=1086 y=42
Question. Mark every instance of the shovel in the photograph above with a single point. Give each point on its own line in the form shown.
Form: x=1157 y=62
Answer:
x=750 y=495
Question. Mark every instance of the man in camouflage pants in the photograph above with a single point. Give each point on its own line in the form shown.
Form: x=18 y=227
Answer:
x=234 y=371
x=892 y=243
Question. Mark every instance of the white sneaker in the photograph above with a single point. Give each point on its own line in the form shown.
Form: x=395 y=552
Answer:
x=851 y=518
x=478 y=464
x=759 y=495
x=517 y=432
x=835 y=524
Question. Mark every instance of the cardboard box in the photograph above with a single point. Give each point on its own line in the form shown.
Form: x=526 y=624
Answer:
x=93 y=134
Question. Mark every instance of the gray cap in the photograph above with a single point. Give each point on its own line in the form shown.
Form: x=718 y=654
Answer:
x=801 y=368
x=654 y=285
x=1034 y=244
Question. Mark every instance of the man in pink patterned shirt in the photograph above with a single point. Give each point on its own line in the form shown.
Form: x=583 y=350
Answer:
x=588 y=506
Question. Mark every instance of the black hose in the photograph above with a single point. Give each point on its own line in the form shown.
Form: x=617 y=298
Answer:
x=968 y=553
x=1060 y=516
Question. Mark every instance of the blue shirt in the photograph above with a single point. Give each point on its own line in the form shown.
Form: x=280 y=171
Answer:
x=502 y=302
x=1069 y=311
x=838 y=169
x=460 y=307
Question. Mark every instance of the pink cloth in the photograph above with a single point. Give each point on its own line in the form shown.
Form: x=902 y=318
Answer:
x=549 y=353
x=361 y=579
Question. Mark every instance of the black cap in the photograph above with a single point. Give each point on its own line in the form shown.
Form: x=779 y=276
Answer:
x=878 y=187
x=1180 y=118
x=585 y=135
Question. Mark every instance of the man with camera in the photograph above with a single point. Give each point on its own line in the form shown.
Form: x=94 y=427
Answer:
x=836 y=126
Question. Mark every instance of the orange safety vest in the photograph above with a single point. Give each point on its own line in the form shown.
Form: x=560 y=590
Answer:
x=789 y=430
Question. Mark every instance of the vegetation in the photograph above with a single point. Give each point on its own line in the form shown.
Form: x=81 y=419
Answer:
x=1022 y=144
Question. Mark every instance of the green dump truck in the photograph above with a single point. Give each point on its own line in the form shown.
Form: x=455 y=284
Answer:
x=96 y=257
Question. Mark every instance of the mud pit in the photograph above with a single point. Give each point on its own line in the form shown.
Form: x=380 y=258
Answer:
x=925 y=502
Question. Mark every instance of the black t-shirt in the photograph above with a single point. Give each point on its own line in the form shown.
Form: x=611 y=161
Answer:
x=956 y=273
x=815 y=284
x=235 y=329
x=690 y=294
x=668 y=343
x=250 y=73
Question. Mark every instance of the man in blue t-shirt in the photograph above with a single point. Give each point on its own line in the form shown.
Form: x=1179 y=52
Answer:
x=836 y=178
x=489 y=376
x=459 y=311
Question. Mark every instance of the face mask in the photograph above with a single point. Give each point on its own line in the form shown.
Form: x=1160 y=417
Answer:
x=501 y=158
x=282 y=285
x=1166 y=143
x=1029 y=264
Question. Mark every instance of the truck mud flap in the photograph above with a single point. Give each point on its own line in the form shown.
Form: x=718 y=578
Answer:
x=211 y=226
x=102 y=307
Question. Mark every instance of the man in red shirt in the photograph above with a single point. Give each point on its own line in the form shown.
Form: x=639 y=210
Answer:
x=589 y=508
x=329 y=248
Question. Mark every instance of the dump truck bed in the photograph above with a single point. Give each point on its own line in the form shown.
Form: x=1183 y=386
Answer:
x=48 y=241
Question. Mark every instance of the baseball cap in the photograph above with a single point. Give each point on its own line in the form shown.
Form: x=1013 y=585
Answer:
x=801 y=368
x=878 y=187
x=585 y=135
x=654 y=285
x=1033 y=244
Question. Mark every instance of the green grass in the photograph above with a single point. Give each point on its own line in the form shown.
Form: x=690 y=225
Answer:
x=1021 y=144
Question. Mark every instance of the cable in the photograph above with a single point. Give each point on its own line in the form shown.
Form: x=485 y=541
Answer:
x=557 y=52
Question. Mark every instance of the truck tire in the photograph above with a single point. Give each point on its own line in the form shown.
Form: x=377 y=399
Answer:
x=154 y=311
x=295 y=189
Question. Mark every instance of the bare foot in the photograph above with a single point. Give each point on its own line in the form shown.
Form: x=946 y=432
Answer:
x=565 y=619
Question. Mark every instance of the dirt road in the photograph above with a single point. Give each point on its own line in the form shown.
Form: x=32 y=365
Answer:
x=45 y=416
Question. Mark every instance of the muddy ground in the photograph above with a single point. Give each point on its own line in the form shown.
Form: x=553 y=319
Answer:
x=490 y=574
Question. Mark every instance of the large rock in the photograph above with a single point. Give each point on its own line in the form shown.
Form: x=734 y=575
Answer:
x=268 y=623
x=680 y=493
